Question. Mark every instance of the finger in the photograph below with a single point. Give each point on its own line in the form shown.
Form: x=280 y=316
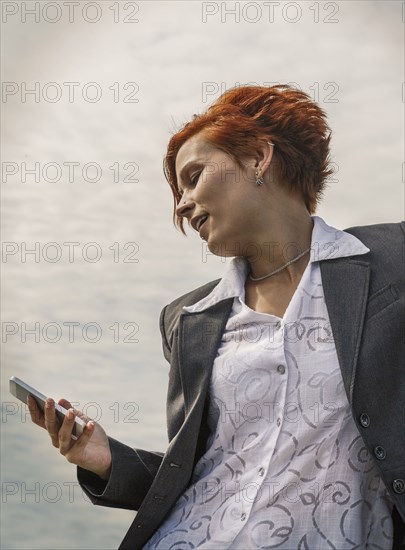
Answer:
x=51 y=422
x=65 y=432
x=82 y=441
x=37 y=415
x=65 y=403
x=81 y=415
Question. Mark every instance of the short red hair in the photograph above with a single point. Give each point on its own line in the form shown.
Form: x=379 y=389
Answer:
x=246 y=116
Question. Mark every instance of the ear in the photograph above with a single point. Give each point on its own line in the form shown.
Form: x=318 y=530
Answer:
x=264 y=157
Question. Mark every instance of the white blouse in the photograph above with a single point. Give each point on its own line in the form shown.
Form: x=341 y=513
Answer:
x=285 y=466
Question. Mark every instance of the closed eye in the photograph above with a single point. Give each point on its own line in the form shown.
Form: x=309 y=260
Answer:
x=194 y=179
x=192 y=182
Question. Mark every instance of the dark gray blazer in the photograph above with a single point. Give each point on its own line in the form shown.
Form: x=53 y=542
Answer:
x=365 y=299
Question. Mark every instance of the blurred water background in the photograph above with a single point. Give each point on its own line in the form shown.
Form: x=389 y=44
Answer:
x=94 y=303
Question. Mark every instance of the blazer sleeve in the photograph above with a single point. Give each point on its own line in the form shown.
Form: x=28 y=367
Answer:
x=132 y=474
x=132 y=470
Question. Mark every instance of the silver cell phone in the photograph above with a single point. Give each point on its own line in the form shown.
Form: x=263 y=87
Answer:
x=21 y=390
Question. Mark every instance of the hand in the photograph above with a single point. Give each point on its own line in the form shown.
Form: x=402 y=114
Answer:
x=90 y=451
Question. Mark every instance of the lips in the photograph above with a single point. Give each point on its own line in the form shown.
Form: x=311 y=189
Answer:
x=198 y=221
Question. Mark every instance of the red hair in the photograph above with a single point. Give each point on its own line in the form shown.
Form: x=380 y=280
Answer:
x=246 y=116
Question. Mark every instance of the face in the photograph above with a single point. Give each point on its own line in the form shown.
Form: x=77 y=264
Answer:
x=220 y=199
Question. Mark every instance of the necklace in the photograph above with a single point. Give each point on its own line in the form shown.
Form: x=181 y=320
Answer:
x=280 y=268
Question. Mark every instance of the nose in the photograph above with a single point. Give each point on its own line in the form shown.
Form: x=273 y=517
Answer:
x=185 y=207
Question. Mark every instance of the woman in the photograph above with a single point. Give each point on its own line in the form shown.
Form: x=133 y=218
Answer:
x=285 y=375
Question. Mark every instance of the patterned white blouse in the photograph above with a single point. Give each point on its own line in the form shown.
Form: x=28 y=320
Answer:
x=285 y=466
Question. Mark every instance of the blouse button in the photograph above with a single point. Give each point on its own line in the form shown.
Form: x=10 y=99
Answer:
x=281 y=369
x=261 y=471
x=278 y=422
x=278 y=325
x=243 y=516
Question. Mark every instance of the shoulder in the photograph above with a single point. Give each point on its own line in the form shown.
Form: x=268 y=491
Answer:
x=193 y=296
x=379 y=234
x=386 y=242
x=172 y=311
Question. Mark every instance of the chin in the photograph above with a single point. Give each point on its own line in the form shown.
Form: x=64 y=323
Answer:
x=224 y=249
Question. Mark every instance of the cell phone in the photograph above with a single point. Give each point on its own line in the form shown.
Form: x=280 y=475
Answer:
x=21 y=390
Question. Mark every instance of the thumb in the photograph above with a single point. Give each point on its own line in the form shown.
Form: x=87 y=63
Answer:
x=85 y=436
x=67 y=404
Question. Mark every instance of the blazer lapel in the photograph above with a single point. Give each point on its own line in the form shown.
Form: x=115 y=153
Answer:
x=346 y=283
x=199 y=338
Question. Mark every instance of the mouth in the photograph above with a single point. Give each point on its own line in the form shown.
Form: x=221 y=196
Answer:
x=199 y=222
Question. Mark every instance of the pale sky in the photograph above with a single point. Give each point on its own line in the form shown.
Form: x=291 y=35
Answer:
x=151 y=75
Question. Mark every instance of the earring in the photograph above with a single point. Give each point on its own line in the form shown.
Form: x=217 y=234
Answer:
x=259 y=180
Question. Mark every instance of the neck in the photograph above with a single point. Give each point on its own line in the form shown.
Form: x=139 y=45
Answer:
x=286 y=242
